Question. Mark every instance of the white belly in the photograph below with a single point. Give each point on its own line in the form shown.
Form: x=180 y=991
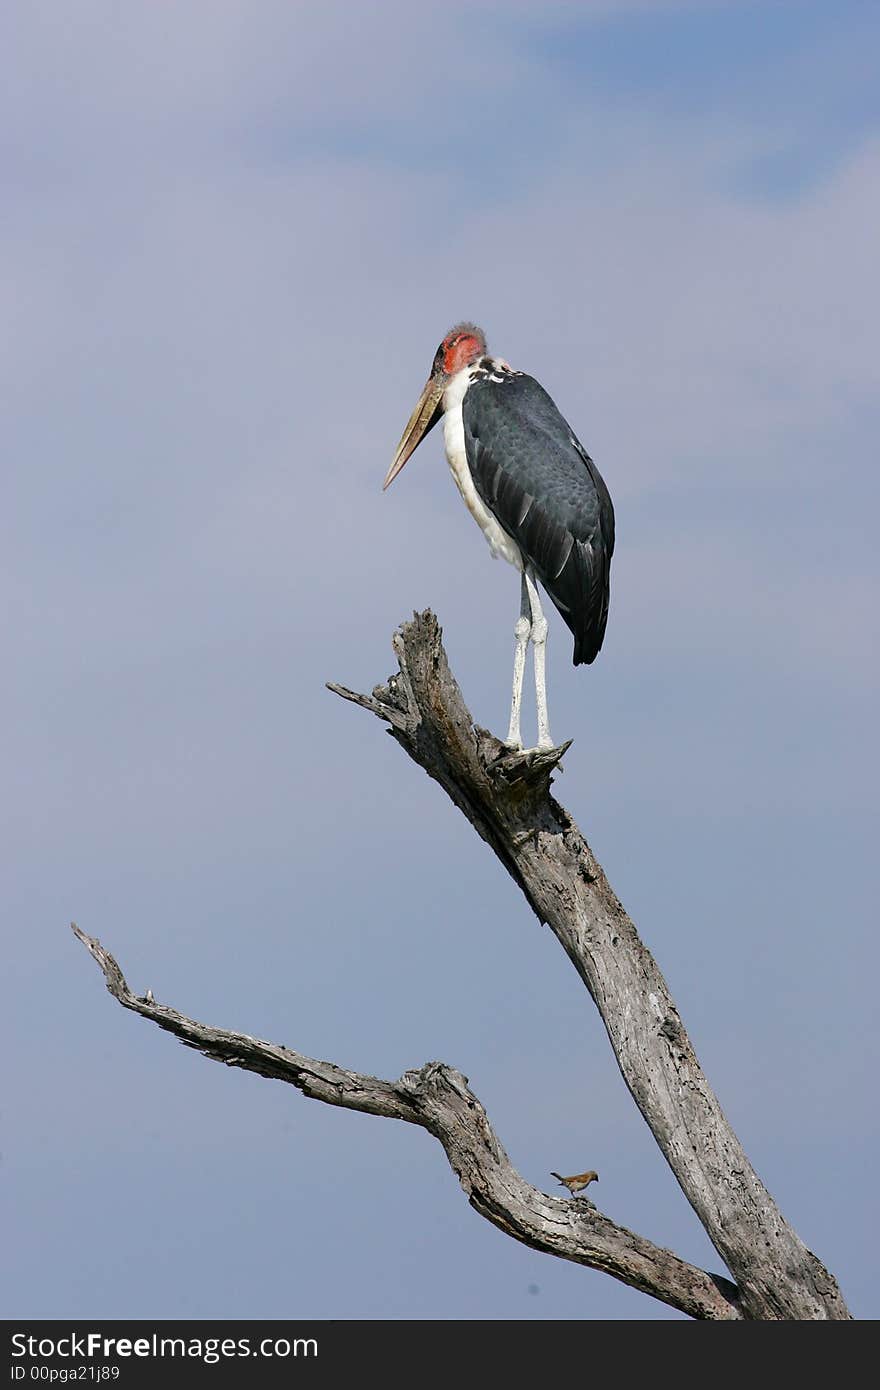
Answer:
x=500 y=543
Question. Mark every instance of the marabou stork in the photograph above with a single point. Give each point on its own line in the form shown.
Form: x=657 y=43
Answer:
x=534 y=492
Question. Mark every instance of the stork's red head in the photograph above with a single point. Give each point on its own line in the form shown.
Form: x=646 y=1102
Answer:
x=463 y=344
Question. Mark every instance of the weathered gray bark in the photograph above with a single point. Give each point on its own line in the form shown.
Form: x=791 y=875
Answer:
x=506 y=797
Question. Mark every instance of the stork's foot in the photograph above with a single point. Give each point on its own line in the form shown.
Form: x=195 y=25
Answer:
x=520 y=765
x=547 y=747
x=515 y=745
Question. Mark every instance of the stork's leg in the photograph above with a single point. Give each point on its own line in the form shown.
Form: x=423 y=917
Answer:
x=522 y=630
x=539 y=645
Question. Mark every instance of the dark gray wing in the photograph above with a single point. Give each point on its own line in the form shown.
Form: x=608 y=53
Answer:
x=540 y=483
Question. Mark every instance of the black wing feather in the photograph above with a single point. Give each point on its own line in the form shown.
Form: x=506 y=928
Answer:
x=540 y=483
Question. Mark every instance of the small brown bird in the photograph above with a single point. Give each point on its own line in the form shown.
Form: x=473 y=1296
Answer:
x=577 y=1182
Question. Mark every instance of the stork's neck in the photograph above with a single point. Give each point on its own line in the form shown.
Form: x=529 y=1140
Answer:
x=484 y=368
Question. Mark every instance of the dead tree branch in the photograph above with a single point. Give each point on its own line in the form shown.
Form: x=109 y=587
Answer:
x=437 y=1098
x=506 y=797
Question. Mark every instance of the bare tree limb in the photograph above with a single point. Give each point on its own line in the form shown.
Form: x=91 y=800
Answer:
x=437 y=1098
x=506 y=797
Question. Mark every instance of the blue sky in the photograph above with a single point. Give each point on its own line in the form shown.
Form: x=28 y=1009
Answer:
x=232 y=239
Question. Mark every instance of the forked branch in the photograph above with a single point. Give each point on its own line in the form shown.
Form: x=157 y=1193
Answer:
x=506 y=797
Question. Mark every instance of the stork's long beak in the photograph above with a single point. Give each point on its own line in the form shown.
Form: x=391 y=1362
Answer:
x=423 y=419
